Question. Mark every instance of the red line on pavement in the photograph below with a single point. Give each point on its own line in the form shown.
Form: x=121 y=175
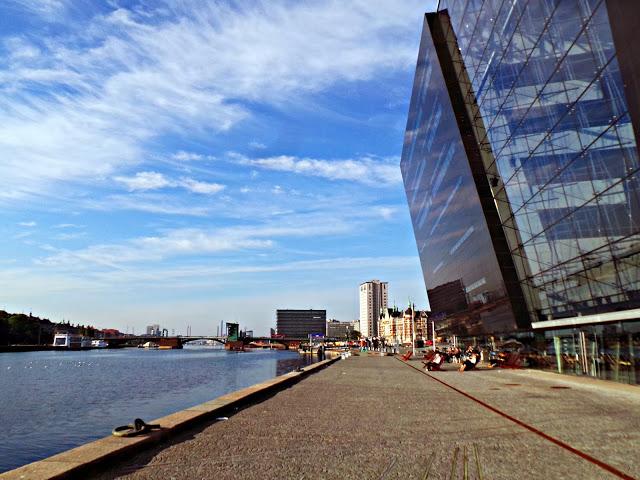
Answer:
x=560 y=443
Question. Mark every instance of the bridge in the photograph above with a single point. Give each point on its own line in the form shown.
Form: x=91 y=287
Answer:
x=179 y=341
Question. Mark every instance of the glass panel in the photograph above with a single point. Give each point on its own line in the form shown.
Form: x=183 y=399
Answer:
x=459 y=265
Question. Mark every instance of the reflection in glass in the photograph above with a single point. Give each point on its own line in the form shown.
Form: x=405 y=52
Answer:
x=548 y=84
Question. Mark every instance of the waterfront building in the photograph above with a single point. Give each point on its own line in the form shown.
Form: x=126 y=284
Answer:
x=301 y=323
x=390 y=324
x=373 y=299
x=340 y=330
x=153 y=329
x=395 y=325
x=520 y=166
x=355 y=325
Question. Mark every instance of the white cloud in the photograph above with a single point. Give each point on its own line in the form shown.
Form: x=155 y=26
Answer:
x=70 y=236
x=19 y=49
x=257 y=145
x=201 y=187
x=188 y=156
x=186 y=241
x=27 y=224
x=87 y=106
x=46 y=8
x=148 y=202
x=67 y=225
x=22 y=235
x=368 y=170
x=144 y=181
x=387 y=212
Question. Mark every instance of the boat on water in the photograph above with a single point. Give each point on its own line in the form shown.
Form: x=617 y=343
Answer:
x=72 y=340
x=313 y=349
x=67 y=340
x=149 y=346
x=99 y=344
x=259 y=345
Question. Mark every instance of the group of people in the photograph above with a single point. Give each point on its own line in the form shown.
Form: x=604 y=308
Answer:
x=374 y=343
x=470 y=359
x=467 y=359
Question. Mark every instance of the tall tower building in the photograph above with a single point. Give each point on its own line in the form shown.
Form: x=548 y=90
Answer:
x=373 y=298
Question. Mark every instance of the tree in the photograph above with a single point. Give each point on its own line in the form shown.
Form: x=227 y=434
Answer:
x=23 y=329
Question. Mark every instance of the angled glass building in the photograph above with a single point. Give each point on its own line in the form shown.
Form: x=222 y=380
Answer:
x=520 y=164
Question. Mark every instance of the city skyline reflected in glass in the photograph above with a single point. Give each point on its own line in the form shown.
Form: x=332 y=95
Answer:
x=465 y=287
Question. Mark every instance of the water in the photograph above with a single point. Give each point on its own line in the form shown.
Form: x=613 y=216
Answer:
x=53 y=401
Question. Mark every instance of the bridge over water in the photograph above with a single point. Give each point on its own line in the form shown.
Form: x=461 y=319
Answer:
x=179 y=341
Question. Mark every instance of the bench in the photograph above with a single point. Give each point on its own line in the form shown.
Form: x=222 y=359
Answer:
x=513 y=360
x=428 y=358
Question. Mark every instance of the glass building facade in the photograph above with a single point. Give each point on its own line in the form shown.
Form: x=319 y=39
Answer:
x=466 y=283
x=546 y=92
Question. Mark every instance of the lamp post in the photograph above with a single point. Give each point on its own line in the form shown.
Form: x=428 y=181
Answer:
x=433 y=334
x=348 y=338
x=413 y=331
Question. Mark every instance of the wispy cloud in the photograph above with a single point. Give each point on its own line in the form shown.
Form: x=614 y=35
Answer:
x=148 y=202
x=368 y=170
x=67 y=225
x=87 y=105
x=70 y=236
x=190 y=156
x=43 y=7
x=179 y=242
x=143 y=181
x=195 y=186
x=27 y=224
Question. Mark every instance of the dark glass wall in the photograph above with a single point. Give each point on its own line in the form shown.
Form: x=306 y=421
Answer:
x=465 y=285
x=301 y=323
x=550 y=92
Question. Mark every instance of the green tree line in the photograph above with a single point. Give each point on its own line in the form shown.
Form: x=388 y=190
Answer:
x=21 y=329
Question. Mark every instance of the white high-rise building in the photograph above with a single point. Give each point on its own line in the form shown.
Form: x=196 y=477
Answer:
x=373 y=298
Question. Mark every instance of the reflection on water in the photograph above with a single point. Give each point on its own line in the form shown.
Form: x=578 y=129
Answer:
x=53 y=401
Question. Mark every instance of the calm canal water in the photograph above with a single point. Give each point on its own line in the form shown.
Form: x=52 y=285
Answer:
x=53 y=401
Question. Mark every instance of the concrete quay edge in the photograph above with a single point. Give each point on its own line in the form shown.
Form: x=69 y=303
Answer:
x=80 y=461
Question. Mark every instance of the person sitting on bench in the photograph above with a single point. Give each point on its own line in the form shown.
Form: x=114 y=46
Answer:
x=497 y=360
x=471 y=360
x=435 y=362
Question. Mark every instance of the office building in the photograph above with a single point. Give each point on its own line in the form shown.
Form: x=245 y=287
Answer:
x=373 y=299
x=153 y=329
x=339 y=330
x=520 y=166
x=301 y=323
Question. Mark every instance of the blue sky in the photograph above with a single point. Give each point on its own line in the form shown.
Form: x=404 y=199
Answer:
x=184 y=162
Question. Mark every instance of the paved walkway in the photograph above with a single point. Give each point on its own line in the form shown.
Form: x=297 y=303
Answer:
x=376 y=417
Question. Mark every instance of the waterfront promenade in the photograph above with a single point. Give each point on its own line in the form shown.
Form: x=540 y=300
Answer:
x=376 y=417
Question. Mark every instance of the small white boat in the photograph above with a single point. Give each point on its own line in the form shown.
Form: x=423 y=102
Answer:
x=67 y=340
x=149 y=345
x=99 y=343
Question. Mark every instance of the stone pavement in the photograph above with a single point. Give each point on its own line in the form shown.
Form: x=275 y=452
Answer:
x=376 y=417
